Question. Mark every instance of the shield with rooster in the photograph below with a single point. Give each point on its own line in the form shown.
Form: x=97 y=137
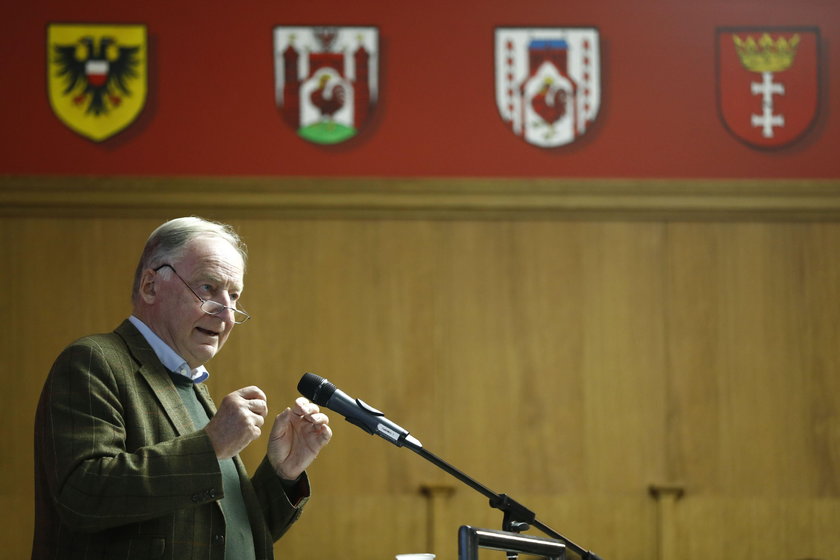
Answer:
x=548 y=82
x=326 y=79
x=96 y=76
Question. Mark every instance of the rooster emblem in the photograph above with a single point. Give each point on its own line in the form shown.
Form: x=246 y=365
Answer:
x=328 y=97
x=549 y=103
x=100 y=72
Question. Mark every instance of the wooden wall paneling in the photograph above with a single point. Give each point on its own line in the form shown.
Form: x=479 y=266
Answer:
x=349 y=300
x=421 y=198
x=667 y=498
x=754 y=387
x=756 y=527
x=818 y=327
x=438 y=529
x=64 y=271
x=68 y=277
x=20 y=387
x=508 y=301
x=753 y=304
x=569 y=363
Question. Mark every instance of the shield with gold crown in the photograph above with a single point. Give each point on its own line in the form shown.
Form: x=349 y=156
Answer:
x=768 y=83
x=97 y=76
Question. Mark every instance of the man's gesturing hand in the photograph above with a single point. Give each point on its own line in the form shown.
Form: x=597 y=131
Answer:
x=237 y=422
x=297 y=436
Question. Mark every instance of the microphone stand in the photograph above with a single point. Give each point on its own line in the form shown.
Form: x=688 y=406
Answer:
x=517 y=517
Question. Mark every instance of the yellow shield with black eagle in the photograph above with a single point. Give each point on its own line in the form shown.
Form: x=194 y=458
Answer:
x=97 y=76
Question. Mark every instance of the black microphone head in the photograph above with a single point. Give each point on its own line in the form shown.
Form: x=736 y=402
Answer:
x=315 y=388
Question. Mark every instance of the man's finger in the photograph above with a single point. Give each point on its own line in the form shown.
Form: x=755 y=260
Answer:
x=251 y=392
x=258 y=406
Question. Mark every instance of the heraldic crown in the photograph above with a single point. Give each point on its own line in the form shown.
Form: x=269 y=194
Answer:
x=766 y=55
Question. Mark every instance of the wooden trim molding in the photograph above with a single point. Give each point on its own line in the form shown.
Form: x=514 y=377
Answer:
x=421 y=198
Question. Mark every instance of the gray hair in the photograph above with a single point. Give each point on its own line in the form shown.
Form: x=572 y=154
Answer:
x=168 y=241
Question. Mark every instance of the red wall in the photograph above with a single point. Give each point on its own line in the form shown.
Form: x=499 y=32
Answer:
x=211 y=105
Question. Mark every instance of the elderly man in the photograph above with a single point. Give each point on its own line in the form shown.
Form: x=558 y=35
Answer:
x=132 y=458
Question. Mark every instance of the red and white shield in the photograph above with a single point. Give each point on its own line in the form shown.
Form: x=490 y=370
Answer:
x=768 y=83
x=326 y=79
x=548 y=82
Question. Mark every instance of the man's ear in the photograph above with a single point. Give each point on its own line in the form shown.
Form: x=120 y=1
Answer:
x=147 y=286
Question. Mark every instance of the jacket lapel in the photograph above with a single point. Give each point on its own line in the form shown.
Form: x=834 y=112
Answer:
x=206 y=400
x=157 y=377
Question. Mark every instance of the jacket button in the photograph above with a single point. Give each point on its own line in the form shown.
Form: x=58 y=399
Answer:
x=218 y=539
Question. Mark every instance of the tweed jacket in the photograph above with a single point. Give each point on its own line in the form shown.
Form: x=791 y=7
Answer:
x=121 y=471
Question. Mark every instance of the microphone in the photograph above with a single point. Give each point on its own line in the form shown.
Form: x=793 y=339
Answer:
x=323 y=393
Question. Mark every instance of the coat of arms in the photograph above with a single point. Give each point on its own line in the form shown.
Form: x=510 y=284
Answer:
x=326 y=79
x=96 y=76
x=548 y=82
x=768 y=83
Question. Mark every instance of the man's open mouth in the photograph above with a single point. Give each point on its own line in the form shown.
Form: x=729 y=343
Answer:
x=207 y=332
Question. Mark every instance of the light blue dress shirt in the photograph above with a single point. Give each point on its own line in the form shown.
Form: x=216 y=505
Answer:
x=167 y=356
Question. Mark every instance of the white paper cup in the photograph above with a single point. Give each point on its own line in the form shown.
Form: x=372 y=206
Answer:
x=416 y=556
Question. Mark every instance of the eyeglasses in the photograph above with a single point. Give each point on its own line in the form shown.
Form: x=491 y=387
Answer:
x=208 y=305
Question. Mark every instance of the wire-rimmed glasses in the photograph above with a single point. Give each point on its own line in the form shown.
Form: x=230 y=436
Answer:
x=208 y=305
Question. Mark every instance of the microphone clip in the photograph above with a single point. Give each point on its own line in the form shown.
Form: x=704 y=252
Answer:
x=517 y=518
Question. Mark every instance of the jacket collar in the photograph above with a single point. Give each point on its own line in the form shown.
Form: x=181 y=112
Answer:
x=157 y=377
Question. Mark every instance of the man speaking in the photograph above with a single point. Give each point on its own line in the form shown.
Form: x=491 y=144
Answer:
x=132 y=457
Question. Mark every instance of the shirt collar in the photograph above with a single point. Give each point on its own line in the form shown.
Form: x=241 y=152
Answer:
x=167 y=356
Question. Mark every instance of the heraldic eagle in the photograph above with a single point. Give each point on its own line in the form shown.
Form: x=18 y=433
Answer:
x=103 y=71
